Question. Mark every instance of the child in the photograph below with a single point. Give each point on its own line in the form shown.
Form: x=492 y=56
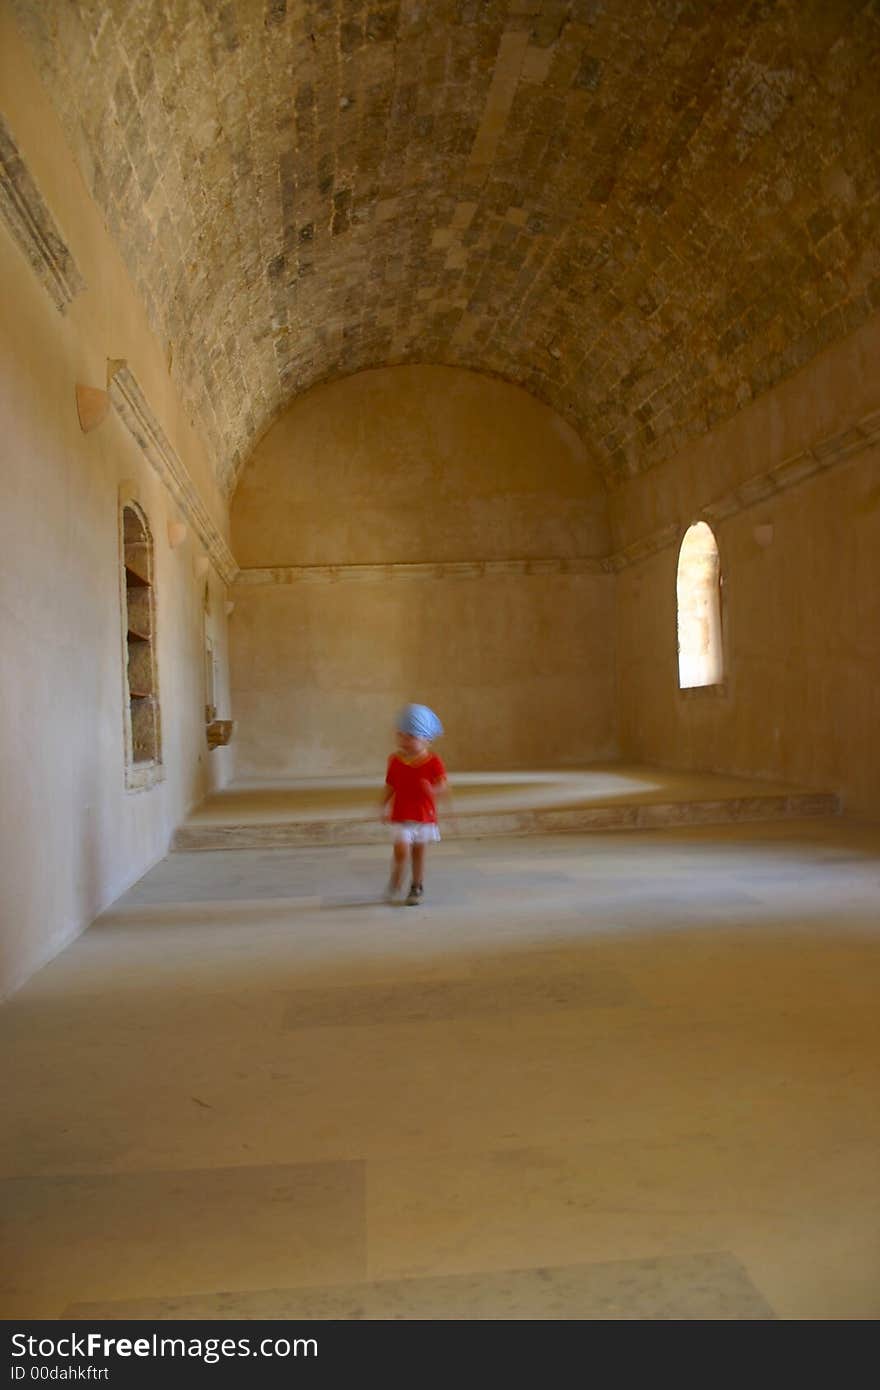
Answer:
x=414 y=775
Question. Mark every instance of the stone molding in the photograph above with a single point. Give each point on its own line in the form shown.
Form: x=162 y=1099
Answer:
x=644 y=547
x=824 y=454
x=33 y=226
x=440 y=569
x=135 y=412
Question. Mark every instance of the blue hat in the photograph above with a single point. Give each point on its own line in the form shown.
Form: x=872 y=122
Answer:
x=420 y=722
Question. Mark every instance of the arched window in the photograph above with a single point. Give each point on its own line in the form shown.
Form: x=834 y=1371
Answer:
x=142 y=724
x=700 y=655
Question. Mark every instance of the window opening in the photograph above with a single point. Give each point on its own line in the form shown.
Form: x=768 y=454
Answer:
x=142 y=723
x=210 y=678
x=698 y=589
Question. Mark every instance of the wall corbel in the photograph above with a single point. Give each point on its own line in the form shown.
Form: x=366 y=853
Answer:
x=92 y=406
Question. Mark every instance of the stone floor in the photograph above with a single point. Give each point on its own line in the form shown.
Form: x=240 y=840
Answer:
x=628 y=1076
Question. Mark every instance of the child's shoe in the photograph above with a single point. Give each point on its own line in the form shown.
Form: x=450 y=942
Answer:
x=392 y=892
x=414 y=896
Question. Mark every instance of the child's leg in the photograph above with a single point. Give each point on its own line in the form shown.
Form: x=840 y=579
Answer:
x=398 y=865
x=418 y=864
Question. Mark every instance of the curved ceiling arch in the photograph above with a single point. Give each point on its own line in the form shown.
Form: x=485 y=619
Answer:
x=590 y=456
x=418 y=463
x=645 y=213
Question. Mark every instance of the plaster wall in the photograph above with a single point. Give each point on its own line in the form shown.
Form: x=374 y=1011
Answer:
x=71 y=837
x=520 y=670
x=801 y=614
x=414 y=465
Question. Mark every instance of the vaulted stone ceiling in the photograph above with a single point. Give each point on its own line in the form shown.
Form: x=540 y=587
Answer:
x=644 y=211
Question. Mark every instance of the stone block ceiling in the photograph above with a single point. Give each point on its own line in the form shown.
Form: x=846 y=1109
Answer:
x=646 y=212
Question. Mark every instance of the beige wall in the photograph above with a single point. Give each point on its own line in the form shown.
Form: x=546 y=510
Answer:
x=520 y=670
x=801 y=615
x=71 y=837
x=381 y=469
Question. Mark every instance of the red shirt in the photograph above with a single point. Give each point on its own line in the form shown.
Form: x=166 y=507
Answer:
x=413 y=785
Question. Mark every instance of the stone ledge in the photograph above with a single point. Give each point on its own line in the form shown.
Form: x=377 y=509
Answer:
x=439 y=569
x=580 y=819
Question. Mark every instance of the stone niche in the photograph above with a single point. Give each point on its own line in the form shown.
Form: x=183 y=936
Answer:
x=143 y=731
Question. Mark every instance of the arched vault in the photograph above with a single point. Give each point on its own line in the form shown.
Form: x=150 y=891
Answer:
x=646 y=212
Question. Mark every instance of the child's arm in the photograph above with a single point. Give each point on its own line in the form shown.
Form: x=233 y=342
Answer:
x=387 y=794
x=443 y=796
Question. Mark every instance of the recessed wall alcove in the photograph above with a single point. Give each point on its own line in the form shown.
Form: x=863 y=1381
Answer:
x=475 y=524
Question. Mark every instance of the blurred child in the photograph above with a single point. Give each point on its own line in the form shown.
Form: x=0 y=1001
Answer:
x=414 y=778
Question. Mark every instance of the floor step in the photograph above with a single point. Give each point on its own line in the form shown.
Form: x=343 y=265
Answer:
x=247 y=816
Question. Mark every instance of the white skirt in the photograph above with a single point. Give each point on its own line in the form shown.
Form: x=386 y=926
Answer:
x=414 y=832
